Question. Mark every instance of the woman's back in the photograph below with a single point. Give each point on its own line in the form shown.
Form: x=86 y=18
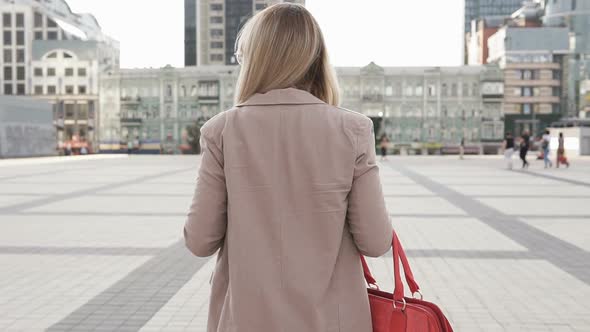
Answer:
x=303 y=197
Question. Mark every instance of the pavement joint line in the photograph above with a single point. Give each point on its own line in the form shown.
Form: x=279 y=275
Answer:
x=29 y=175
x=80 y=251
x=560 y=253
x=556 y=178
x=16 y=208
x=158 y=280
x=96 y=213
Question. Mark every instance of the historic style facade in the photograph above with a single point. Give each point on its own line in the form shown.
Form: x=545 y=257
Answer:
x=433 y=106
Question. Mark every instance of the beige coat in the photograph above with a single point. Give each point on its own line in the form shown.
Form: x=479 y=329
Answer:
x=289 y=193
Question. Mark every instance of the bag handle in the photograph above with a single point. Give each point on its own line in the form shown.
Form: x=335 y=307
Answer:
x=398 y=255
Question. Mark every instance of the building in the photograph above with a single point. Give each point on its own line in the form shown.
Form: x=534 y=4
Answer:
x=211 y=28
x=585 y=99
x=434 y=106
x=26 y=128
x=414 y=106
x=54 y=54
x=532 y=57
x=155 y=106
x=477 y=38
x=575 y=15
x=477 y=9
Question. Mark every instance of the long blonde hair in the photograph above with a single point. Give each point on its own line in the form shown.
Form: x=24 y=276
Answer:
x=282 y=47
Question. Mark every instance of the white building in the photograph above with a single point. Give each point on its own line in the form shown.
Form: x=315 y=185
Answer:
x=57 y=55
x=430 y=106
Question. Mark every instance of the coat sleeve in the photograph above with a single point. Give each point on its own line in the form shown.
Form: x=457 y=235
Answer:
x=206 y=222
x=367 y=215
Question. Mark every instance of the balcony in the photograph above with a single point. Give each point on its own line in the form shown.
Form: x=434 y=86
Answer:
x=131 y=122
x=532 y=99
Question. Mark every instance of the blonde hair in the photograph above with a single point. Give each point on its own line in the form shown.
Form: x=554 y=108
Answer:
x=283 y=47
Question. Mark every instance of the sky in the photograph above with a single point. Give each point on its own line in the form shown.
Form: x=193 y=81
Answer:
x=388 y=32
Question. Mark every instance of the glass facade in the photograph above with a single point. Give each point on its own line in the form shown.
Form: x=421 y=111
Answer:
x=475 y=9
x=190 y=32
x=237 y=13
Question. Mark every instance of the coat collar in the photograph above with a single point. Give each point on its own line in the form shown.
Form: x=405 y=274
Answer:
x=282 y=97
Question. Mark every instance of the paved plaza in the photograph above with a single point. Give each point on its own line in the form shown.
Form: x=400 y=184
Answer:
x=95 y=243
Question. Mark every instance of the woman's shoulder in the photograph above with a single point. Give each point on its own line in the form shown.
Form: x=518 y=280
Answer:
x=356 y=121
x=215 y=126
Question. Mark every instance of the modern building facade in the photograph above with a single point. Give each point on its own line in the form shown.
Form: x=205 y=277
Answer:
x=26 y=127
x=532 y=57
x=211 y=28
x=56 y=55
x=477 y=9
x=477 y=38
x=575 y=15
x=412 y=106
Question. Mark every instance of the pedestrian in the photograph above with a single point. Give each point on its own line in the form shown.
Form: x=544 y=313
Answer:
x=508 y=146
x=384 y=144
x=524 y=148
x=288 y=191
x=561 y=158
x=545 y=142
x=462 y=148
x=129 y=147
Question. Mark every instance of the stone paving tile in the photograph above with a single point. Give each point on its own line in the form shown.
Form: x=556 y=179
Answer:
x=573 y=230
x=567 y=207
x=132 y=204
x=523 y=191
x=426 y=205
x=16 y=199
x=90 y=231
x=452 y=233
x=40 y=290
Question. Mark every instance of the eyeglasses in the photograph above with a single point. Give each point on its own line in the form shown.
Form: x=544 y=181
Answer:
x=239 y=57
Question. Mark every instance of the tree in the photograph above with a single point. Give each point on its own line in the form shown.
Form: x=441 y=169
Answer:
x=194 y=134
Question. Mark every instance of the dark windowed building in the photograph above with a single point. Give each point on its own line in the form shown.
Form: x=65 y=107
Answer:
x=211 y=27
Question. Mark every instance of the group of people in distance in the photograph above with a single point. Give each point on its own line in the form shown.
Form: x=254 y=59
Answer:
x=524 y=144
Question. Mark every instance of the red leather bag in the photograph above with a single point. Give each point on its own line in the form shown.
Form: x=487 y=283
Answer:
x=397 y=313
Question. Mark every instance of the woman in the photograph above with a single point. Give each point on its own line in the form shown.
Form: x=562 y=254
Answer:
x=545 y=141
x=524 y=148
x=508 y=146
x=384 y=144
x=288 y=189
x=561 y=152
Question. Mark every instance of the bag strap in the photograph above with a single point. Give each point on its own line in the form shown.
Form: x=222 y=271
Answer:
x=398 y=255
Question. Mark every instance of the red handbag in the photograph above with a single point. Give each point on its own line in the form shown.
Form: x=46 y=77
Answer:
x=396 y=313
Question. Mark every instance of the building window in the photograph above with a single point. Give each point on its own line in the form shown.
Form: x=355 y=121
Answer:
x=169 y=90
x=82 y=72
x=526 y=108
x=82 y=89
x=51 y=23
x=52 y=55
x=526 y=91
x=216 y=33
x=216 y=44
x=555 y=108
x=443 y=90
x=419 y=90
x=216 y=6
x=67 y=55
x=38 y=20
x=69 y=72
x=8 y=89
x=216 y=19
x=38 y=35
x=70 y=113
x=260 y=6
x=7 y=56
x=51 y=89
x=20 y=56
x=431 y=90
x=69 y=89
x=7 y=37
x=7 y=73
x=20 y=89
x=20 y=73
x=557 y=75
x=50 y=72
x=20 y=20
x=454 y=89
x=556 y=91
x=194 y=91
x=38 y=89
x=52 y=35
x=7 y=20
x=216 y=57
x=465 y=90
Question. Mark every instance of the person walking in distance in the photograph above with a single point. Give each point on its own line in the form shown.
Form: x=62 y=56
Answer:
x=545 y=142
x=524 y=148
x=561 y=159
x=462 y=148
x=288 y=192
x=384 y=144
x=508 y=146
